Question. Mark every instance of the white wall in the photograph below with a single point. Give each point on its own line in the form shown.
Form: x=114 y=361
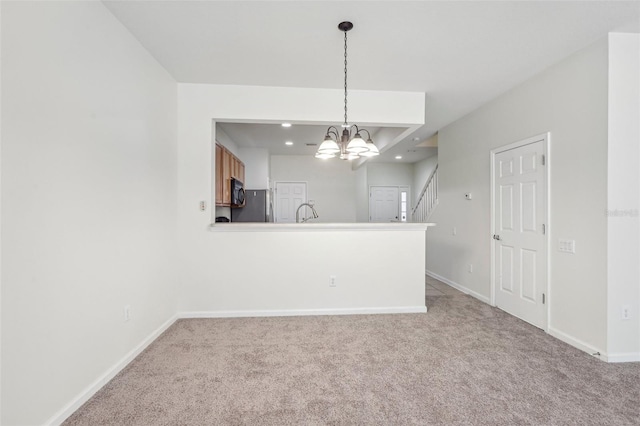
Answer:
x=362 y=194
x=390 y=174
x=379 y=174
x=288 y=272
x=89 y=199
x=421 y=172
x=569 y=100
x=223 y=139
x=623 y=336
x=209 y=259
x=330 y=184
x=341 y=194
x=256 y=167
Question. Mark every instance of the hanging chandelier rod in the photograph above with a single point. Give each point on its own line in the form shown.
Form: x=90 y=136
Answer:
x=350 y=145
x=345 y=26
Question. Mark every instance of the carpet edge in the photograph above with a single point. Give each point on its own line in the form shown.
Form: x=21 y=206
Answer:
x=102 y=380
x=457 y=286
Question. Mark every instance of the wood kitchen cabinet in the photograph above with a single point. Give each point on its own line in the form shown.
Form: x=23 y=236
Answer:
x=219 y=177
x=240 y=171
x=226 y=176
x=227 y=166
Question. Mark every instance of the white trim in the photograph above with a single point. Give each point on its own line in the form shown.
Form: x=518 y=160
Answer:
x=545 y=138
x=577 y=343
x=304 y=312
x=86 y=394
x=406 y=189
x=570 y=340
x=462 y=288
x=100 y=382
x=624 y=357
x=304 y=227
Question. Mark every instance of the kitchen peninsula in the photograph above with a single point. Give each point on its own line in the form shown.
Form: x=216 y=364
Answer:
x=314 y=268
x=289 y=269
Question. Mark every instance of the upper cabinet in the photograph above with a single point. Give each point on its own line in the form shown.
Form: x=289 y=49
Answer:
x=227 y=166
x=219 y=179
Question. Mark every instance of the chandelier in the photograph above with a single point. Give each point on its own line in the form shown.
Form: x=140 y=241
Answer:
x=350 y=145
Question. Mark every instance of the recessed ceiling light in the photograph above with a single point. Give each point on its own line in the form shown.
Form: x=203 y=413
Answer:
x=416 y=139
x=286 y=124
x=398 y=157
x=288 y=143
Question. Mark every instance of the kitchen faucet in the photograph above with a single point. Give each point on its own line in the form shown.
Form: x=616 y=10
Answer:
x=313 y=211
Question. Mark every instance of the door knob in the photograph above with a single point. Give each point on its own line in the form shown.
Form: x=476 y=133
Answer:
x=496 y=237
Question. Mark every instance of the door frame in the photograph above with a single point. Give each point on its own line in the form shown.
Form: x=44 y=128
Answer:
x=401 y=188
x=275 y=193
x=407 y=189
x=546 y=140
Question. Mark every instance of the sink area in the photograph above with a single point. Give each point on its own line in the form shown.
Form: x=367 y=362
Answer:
x=314 y=214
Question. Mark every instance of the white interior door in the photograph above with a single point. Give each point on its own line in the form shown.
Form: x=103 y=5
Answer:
x=383 y=204
x=288 y=197
x=520 y=268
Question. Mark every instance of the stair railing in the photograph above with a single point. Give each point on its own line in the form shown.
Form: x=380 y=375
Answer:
x=427 y=200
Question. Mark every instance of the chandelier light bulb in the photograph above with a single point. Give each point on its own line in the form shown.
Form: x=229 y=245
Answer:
x=357 y=145
x=329 y=146
x=373 y=150
x=324 y=156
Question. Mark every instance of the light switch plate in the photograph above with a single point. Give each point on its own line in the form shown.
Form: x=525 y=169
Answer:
x=567 y=246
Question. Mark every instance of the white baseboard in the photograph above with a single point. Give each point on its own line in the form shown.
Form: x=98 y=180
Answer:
x=623 y=357
x=592 y=350
x=303 y=312
x=457 y=286
x=86 y=394
x=577 y=343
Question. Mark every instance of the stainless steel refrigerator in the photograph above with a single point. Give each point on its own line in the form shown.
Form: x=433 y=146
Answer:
x=257 y=207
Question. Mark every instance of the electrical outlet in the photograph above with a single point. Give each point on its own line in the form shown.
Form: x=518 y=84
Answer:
x=470 y=268
x=126 y=311
x=454 y=231
x=203 y=206
x=332 y=281
x=626 y=312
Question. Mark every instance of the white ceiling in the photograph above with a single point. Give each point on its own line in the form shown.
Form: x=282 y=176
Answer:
x=273 y=137
x=462 y=54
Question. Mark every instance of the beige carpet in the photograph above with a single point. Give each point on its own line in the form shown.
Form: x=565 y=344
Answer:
x=461 y=363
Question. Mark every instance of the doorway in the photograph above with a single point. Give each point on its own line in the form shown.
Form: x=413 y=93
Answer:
x=288 y=197
x=388 y=203
x=519 y=224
